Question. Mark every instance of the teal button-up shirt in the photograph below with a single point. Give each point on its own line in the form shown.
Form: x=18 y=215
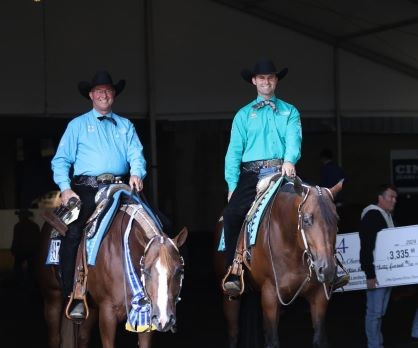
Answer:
x=97 y=147
x=263 y=134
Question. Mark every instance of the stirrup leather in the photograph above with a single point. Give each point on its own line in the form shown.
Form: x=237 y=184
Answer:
x=80 y=285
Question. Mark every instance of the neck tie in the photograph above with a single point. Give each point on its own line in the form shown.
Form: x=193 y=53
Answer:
x=107 y=118
x=263 y=103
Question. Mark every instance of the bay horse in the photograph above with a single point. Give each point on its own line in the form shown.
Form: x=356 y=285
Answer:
x=294 y=255
x=160 y=270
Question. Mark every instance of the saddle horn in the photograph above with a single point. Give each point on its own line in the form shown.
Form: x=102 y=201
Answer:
x=297 y=184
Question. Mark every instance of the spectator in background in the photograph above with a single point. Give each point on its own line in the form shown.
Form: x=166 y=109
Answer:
x=374 y=218
x=25 y=244
x=330 y=173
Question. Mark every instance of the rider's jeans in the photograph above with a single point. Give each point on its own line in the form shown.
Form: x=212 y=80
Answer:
x=377 y=303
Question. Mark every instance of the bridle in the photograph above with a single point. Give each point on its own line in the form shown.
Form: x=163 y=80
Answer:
x=161 y=239
x=306 y=255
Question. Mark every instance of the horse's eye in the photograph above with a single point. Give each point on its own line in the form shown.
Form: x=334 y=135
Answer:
x=146 y=272
x=307 y=220
x=179 y=272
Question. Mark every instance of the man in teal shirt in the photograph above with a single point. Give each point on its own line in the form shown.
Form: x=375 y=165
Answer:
x=266 y=135
x=95 y=143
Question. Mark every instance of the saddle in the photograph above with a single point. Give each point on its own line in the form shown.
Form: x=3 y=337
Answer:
x=103 y=199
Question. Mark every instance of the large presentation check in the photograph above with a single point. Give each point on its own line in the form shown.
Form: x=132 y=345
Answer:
x=395 y=257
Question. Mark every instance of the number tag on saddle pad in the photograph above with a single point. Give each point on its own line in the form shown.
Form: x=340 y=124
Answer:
x=53 y=257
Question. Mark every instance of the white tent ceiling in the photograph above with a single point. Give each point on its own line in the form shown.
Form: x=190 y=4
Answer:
x=384 y=31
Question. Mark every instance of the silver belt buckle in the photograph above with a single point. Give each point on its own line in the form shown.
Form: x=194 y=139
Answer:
x=106 y=178
x=118 y=180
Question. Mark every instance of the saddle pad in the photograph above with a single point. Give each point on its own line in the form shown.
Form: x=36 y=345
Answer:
x=252 y=226
x=93 y=244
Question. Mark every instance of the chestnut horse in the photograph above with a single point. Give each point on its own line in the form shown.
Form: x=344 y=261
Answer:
x=294 y=255
x=109 y=295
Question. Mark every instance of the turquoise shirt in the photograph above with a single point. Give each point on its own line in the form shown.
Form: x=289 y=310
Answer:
x=263 y=134
x=96 y=147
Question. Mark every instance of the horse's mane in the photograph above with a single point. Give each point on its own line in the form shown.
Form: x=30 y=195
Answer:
x=325 y=205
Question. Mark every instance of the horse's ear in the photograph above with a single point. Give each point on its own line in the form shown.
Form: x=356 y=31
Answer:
x=181 y=237
x=297 y=185
x=337 y=188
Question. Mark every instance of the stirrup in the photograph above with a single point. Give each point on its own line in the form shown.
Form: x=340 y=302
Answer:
x=234 y=289
x=78 y=312
x=69 y=313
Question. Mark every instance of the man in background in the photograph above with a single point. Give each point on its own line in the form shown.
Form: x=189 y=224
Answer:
x=25 y=245
x=374 y=218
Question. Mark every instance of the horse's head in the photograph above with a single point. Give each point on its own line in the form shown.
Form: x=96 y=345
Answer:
x=162 y=270
x=317 y=222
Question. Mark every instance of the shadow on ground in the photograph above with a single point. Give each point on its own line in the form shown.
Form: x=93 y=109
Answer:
x=200 y=320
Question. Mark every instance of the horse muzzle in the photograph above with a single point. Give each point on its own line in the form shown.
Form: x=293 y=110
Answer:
x=164 y=323
x=325 y=270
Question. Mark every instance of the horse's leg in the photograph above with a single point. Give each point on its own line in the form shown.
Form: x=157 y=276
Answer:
x=84 y=331
x=270 y=306
x=53 y=306
x=107 y=325
x=144 y=339
x=318 y=306
x=231 y=312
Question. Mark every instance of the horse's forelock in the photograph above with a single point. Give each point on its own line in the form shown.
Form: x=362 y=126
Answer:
x=165 y=258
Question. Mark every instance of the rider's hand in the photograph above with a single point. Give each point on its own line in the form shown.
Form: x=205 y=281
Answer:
x=136 y=182
x=288 y=169
x=66 y=195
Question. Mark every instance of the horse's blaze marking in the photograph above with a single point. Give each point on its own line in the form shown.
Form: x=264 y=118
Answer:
x=162 y=292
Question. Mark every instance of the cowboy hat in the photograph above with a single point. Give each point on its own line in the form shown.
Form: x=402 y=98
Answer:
x=263 y=66
x=101 y=77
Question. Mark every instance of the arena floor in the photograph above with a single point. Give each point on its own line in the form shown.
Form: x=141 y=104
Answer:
x=200 y=321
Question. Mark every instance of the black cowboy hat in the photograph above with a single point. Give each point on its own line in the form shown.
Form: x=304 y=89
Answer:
x=101 y=77
x=23 y=212
x=263 y=66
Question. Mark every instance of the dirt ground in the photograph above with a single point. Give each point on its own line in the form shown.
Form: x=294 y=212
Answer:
x=200 y=320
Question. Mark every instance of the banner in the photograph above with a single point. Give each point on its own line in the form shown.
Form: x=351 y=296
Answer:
x=395 y=257
x=404 y=164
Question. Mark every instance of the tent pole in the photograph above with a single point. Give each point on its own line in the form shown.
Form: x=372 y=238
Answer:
x=149 y=38
x=337 y=102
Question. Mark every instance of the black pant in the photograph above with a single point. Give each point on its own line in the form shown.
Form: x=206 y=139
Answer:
x=238 y=206
x=70 y=243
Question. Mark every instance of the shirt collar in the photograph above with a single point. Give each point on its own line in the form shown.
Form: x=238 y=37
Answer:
x=98 y=114
x=273 y=99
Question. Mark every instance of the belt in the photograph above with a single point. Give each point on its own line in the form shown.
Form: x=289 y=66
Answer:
x=95 y=181
x=257 y=165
